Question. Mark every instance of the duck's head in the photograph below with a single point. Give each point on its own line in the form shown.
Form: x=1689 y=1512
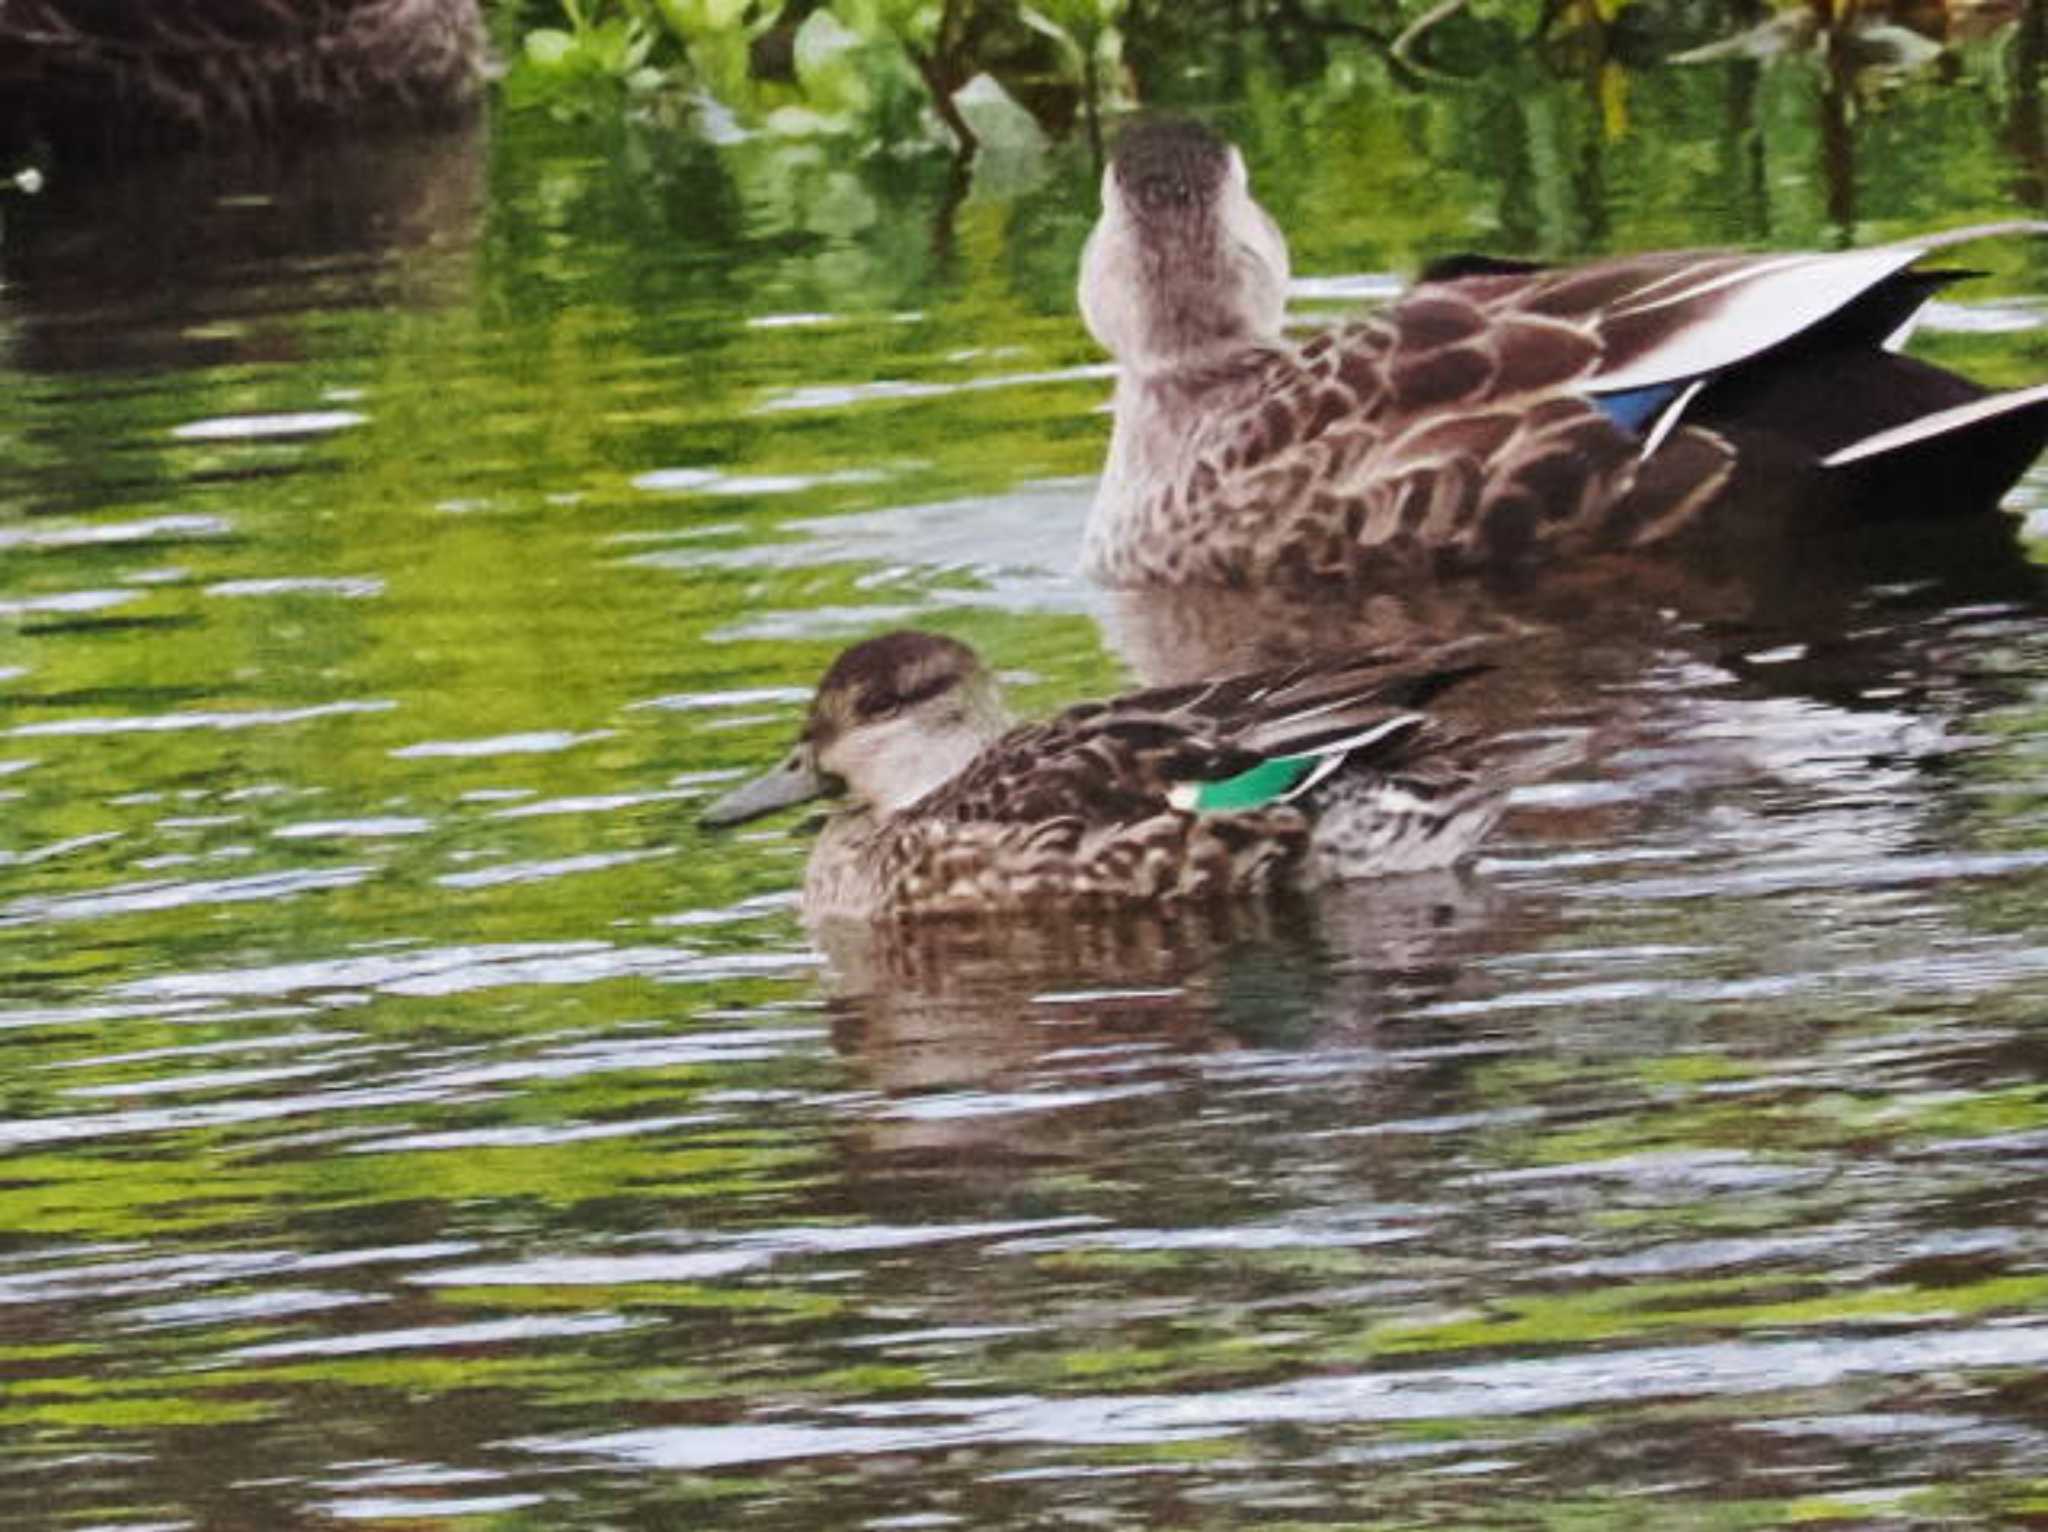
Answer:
x=893 y=718
x=1182 y=265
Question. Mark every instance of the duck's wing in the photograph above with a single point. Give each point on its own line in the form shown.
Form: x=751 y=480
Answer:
x=1504 y=408
x=1299 y=708
x=1270 y=734
x=1672 y=317
x=1175 y=794
x=1265 y=737
x=1438 y=436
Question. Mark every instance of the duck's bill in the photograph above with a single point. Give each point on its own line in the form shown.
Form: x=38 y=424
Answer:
x=794 y=779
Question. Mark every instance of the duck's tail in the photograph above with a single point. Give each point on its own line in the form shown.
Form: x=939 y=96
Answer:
x=1370 y=824
x=1966 y=455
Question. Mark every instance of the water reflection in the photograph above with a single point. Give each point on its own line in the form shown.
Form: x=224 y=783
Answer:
x=237 y=247
x=1040 y=1042
x=1873 y=624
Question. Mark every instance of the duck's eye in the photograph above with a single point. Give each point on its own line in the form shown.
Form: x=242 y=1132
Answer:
x=1163 y=191
x=925 y=691
x=886 y=704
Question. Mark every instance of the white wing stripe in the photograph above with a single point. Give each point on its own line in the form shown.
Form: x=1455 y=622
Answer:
x=1940 y=423
x=1669 y=419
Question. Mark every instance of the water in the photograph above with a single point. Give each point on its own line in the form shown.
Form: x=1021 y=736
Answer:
x=411 y=1119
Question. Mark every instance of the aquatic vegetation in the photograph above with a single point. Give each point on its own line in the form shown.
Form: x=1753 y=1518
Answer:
x=891 y=71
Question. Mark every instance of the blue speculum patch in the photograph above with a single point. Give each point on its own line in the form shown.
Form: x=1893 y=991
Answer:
x=1634 y=409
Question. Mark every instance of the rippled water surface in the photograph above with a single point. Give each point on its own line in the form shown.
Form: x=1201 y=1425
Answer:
x=410 y=1118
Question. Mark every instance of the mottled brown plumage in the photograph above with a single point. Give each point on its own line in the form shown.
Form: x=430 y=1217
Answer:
x=1499 y=415
x=93 y=75
x=949 y=809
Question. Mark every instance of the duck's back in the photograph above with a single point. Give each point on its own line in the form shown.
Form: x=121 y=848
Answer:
x=1433 y=439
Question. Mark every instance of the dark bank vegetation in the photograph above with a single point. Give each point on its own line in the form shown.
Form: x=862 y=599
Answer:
x=960 y=71
x=83 y=78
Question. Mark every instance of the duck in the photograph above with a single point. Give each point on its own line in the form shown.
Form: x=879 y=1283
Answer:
x=1264 y=782
x=92 y=79
x=1503 y=415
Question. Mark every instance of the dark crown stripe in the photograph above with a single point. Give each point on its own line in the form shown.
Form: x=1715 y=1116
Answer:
x=1169 y=162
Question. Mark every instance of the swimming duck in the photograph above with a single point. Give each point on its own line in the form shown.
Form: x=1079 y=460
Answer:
x=1260 y=782
x=94 y=78
x=1501 y=413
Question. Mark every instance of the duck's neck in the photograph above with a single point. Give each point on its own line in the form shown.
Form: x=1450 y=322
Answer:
x=845 y=878
x=1149 y=510
x=850 y=870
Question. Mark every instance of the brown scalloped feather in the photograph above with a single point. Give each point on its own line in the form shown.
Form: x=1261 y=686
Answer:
x=1375 y=455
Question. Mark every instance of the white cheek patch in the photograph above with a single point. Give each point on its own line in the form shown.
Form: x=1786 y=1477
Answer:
x=892 y=763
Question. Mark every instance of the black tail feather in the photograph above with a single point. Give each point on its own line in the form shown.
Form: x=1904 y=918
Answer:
x=1956 y=459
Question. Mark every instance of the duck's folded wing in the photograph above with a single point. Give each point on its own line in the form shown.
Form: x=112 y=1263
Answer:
x=1235 y=705
x=1094 y=767
x=1671 y=317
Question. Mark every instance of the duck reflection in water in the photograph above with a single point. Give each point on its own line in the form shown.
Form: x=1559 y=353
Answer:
x=1043 y=1038
x=361 y=224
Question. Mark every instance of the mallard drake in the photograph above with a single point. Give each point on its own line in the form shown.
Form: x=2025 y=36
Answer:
x=1500 y=414
x=1259 y=782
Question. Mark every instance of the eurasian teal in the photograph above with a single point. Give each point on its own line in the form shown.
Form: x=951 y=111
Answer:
x=1259 y=782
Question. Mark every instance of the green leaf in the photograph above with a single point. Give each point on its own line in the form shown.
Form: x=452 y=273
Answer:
x=549 y=47
x=827 y=60
x=692 y=19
